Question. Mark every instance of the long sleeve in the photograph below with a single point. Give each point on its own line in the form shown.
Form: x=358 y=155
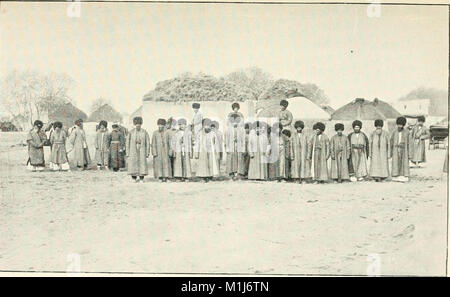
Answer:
x=154 y=145
x=332 y=148
x=370 y=145
x=327 y=147
x=147 y=147
x=33 y=143
x=366 y=141
x=349 y=149
x=425 y=134
x=391 y=145
x=127 y=144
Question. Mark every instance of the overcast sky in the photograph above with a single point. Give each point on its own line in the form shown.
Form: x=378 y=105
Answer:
x=121 y=50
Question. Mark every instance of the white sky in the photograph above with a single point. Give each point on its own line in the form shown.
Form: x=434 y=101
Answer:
x=121 y=50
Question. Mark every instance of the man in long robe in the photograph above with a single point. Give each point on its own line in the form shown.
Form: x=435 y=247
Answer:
x=259 y=150
x=318 y=153
x=379 y=152
x=219 y=144
x=77 y=138
x=171 y=130
x=273 y=166
x=419 y=134
x=58 y=157
x=124 y=132
x=116 y=145
x=359 y=143
x=285 y=116
x=101 y=146
x=400 y=151
x=340 y=153
x=246 y=154
x=235 y=147
x=197 y=120
x=138 y=150
x=35 y=140
x=160 y=152
x=181 y=149
x=300 y=166
x=205 y=150
x=284 y=164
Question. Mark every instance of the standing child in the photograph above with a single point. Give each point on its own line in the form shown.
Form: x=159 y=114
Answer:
x=101 y=146
x=379 y=152
x=59 y=155
x=318 y=153
x=116 y=145
x=35 y=140
x=160 y=152
x=206 y=152
x=300 y=166
x=137 y=150
x=235 y=147
x=359 y=143
x=340 y=154
x=259 y=150
x=400 y=151
x=418 y=136
x=181 y=149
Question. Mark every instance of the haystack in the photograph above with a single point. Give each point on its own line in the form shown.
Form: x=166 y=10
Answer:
x=67 y=114
x=106 y=113
x=361 y=109
x=302 y=108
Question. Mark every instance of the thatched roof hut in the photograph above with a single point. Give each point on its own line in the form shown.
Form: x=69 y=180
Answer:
x=300 y=107
x=362 y=109
x=67 y=114
x=107 y=113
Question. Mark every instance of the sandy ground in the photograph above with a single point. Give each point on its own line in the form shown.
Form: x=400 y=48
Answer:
x=114 y=225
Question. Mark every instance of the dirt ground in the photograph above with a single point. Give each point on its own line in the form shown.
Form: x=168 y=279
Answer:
x=244 y=227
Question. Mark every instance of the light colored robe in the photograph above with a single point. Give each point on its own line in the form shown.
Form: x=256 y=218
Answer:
x=318 y=153
x=259 y=148
x=418 y=136
x=340 y=153
x=235 y=150
x=58 y=141
x=300 y=166
x=161 y=152
x=101 y=148
x=181 y=147
x=77 y=139
x=285 y=119
x=379 y=152
x=400 y=153
x=35 y=142
x=359 y=144
x=197 y=123
x=138 y=150
x=205 y=150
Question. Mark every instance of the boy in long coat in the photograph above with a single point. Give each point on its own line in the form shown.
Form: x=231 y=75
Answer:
x=35 y=140
x=219 y=143
x=171 y=130
x=116 y=145
x=161 y=151
x=300 y=166
x=138 y=150
x=101 y=145
x=379 y=152
x=359 y=143
x=205 y=150
x=181 y=149
x=235 y=147
x=58 y=141
x=340 y=153
x=318 y=153
x=259 y=150
x=77 y=138
x=276 y=142
x=418 y=136
x=400 y=151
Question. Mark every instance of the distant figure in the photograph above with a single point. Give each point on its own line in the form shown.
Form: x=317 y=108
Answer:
x=379 y=152
x=58 y=137
x=340 y=154
x=235 y=147
x=160 y=152
x=359 y=143
x=197 y=119
x=77 y=138
x=205 y=151
x=35 y=139
x=181 y=148
x=219 y=144
x=318 y=153
x=419 y=134
x=300 y=166
x=138 y=150
x=116 y=144
x=285 y=115
x=400 y=151
x=235 y=113
x=101 y=146
x=259 y=150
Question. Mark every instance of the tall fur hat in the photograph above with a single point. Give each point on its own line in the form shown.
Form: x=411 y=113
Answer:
x=357 y=123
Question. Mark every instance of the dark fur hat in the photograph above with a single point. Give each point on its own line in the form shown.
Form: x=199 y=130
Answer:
x=339 y=126
x=401 y=121
x=137 y=120
x=235 y=105
x=284 y=103
x=286 y=132
x=299 y=124
x=161 y=122
x=357 y=123
x=379 y=123
x=320 y=126
x=38 y=123
x=103 y=123
x=196 y=105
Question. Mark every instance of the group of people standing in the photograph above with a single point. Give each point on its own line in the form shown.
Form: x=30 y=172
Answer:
x=280 y=151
